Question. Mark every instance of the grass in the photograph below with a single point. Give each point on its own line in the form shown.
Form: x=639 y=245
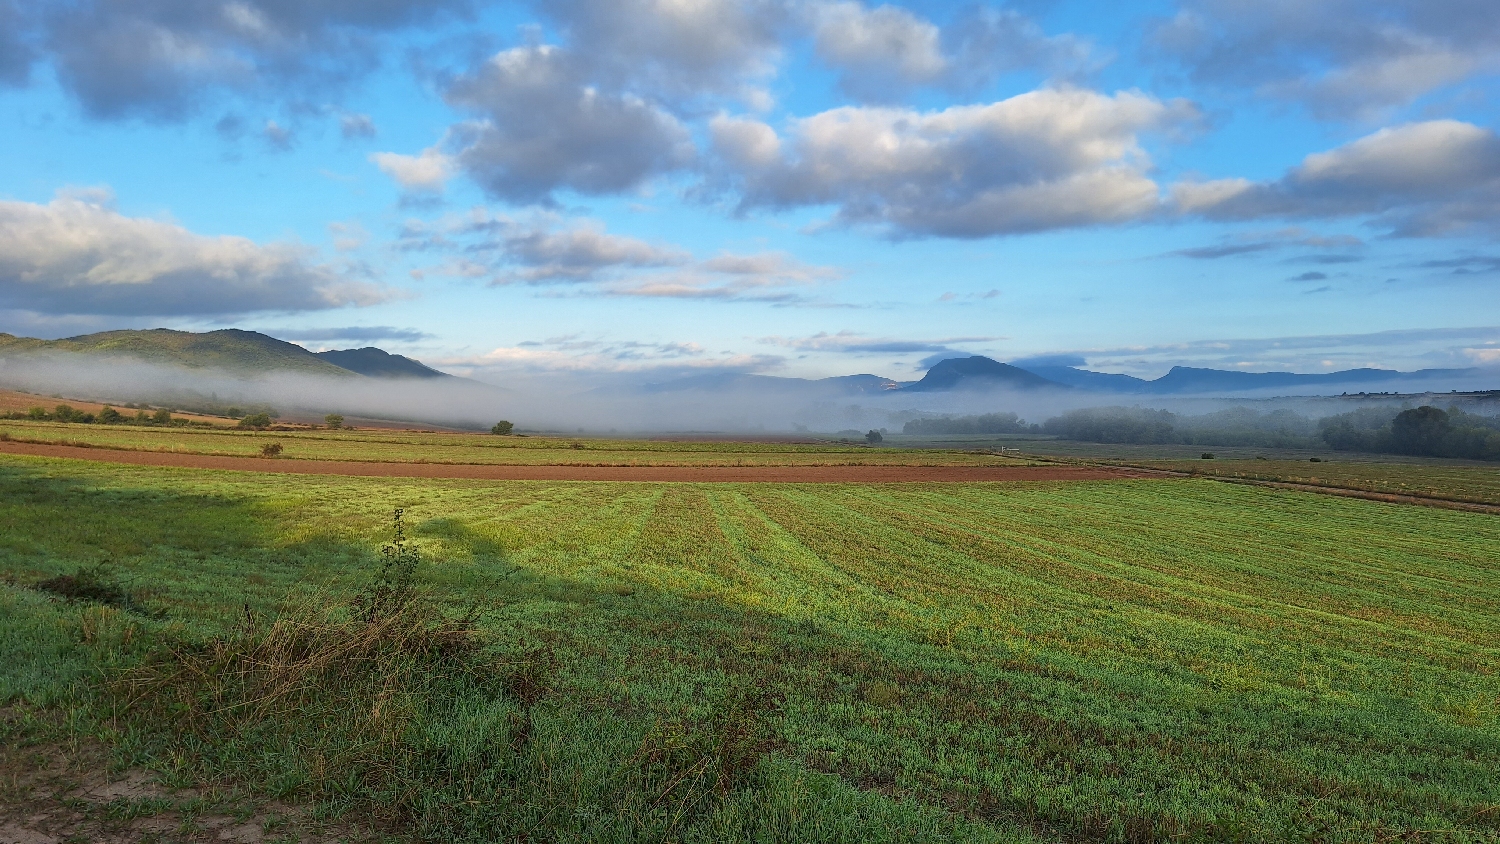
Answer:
x=1089 y=661
x=1479 y=484
x=416 y=447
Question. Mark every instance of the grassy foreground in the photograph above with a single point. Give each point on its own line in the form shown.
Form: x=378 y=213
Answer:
x=1095 y=661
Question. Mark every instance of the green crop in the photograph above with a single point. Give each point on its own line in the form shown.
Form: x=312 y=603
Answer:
x=1156 y=660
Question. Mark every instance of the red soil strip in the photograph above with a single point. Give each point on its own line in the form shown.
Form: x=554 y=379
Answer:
x=671 y=474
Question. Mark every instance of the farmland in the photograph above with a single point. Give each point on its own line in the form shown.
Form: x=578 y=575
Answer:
x=420 y=447
x=1088 y=661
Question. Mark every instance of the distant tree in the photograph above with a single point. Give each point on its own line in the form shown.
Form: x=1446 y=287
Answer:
x=37 y=413
x=334 y=420
x=503 y=428
x=234 y=413
x=162 y=417
x=270 y=450
x=67 y=413
x=109 y=415
x=873 y=437
x=1421 y=430
x=256 y=420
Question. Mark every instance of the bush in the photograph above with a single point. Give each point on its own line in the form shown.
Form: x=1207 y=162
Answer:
x=873 y=437
x=256 y=420
x=37 y=413
x=334 y=420
x=270 y=450
x=110 y=416
x=502 y=428
x=162 y=417
x=1208 y=455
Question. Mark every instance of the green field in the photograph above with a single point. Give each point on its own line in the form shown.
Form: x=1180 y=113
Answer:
x=1176 y=660
x=418 y=447
x=1478 y=484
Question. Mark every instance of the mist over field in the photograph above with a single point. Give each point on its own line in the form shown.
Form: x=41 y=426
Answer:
x=731 y=404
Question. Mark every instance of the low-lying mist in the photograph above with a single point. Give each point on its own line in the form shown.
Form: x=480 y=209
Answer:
x=734 y=405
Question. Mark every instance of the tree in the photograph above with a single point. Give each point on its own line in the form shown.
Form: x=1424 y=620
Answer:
x=256 y=420
x=334 y=420
x=37 y=413
x=109 y=415
x=502 y=428
x=873 y=437
x=162 y=417
x=1421 y=430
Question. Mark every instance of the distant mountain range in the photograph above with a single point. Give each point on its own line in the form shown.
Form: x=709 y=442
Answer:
x=978 y=373
x=229 y=349
x=250 y=352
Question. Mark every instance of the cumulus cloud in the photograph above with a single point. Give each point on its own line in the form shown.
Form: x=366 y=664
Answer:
x=541 y=126
x=1342 y=58
x=1047 y=159
x=159 y=60
x=76 y=255
x=427 y=172
x=883 y=52
x=1415 y=180
x=670 y=50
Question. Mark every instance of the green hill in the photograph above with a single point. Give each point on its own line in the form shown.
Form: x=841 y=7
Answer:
x=229 y=349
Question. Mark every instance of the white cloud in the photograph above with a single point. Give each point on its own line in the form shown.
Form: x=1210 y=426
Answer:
x=850 y=342
x=1418 y=179
x=76 y=255
x=878 y=48
x=162 y=60
x=1341 y=58
x=883 y=52
x=1047 y=159
x=427 y=172
x=542 y=127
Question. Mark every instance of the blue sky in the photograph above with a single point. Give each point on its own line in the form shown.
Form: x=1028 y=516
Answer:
x=653 y=187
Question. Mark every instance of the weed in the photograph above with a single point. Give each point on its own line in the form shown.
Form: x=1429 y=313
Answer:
x=92 y=584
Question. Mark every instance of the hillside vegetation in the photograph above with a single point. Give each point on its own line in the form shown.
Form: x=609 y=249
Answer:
x=230 y=349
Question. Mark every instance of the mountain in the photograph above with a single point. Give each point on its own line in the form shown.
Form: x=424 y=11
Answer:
x=228 y=349
x=978 y=372
x=378 y=363
x=1185 y=380
x=1086 y=380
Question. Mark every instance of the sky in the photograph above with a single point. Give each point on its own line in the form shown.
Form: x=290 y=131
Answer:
x=643 y=189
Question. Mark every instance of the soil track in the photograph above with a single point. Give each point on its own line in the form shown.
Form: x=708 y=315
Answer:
x=670 y=474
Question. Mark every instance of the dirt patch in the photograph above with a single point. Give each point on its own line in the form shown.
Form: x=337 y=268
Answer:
x=61 y=792
x=662 y=474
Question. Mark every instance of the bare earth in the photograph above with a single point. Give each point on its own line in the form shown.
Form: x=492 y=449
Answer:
x=667 y=474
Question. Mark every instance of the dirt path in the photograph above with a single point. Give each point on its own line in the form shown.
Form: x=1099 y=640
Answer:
x=670 y=474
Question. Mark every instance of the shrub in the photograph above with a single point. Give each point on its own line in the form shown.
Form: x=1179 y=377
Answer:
x=502 y=428
x=256 y=420
x=1208 y=455
x=234 y=413
x=37 y=413
x=873 y=437
x=109 y=415
x=334 y=420
x=270 y=450
x=162 y=417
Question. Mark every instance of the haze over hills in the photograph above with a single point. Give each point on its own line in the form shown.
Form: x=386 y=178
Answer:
x=378 y=363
